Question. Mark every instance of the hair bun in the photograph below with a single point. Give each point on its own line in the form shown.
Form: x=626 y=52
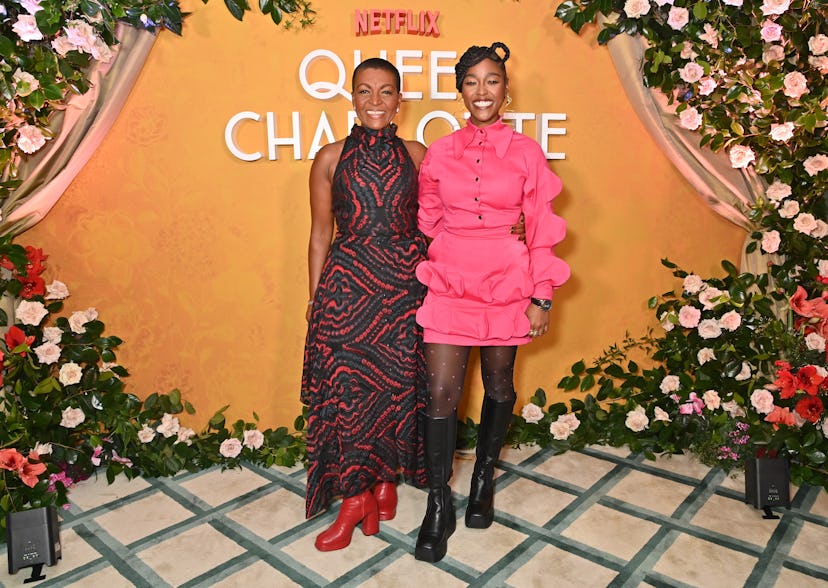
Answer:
x=498 y=45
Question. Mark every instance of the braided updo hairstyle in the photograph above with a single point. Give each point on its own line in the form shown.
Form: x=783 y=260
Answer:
x=474 y=55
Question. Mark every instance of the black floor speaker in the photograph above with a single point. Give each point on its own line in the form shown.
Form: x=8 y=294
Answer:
x=768 y=483
x=32 y=540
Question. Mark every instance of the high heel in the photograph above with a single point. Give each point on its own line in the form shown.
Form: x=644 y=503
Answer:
x=385 y=494
x=355 y=509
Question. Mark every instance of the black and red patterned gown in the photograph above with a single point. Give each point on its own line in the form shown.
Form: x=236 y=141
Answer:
x=363 y=377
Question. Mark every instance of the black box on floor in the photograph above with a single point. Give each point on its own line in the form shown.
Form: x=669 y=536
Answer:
x=32 y=538
x=768 y=482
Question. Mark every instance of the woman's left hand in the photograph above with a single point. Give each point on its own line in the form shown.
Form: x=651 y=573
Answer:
x=538 y=320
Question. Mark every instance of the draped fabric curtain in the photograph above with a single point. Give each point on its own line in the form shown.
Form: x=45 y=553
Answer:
x=78 y=130
x=728 y=191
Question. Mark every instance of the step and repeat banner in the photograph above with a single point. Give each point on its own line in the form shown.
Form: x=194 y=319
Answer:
x=188 y=228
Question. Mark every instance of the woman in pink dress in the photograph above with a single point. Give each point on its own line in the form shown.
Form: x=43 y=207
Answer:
x=485 y=288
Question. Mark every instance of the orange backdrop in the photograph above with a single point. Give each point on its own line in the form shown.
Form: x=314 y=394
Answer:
x=197 y=259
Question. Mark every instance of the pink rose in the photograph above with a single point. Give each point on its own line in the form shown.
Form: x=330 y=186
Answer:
x=693 y=284
x=145 y=435
x=687 y=51
x=730 y=320
x=30 y=138
x=775 y=6
x=659 y=414
x=762 y=401
x=689 y=317
x=230 y=448
x=62 y=45
x=710 y=297
x=636 y=8
x=744 y=373
x=795 y=85
x=564 y=426
x=815 y=164
x=692 y=72
x=48 y=353
x=773 y=53
x=805 y=223
x=771 y=241
x=741 y=156
x=707 y=85
x=253 y=439
x=733 y=409
x=710 y=35
x=670 y=384
x=819 y=63
x=704 y=355
x=678 y=18
x=711 y=400
x=169 y=426
x=789 y=209
x=70 y=373
x=26 y=28
x=668 y=321
x=709 y=329
x=637 y=419
x=690 y=119
x=782 y=132
x=815 y=342
x=81 y=34
x=777 y=191
x=31 y=6
x=771 y=31
x=71 y=417
x=532 y=413
x=185 y=436
x=818 y=44
x=821 y=230
x=823 y=268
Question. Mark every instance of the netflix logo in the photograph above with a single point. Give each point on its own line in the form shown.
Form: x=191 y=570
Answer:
x=376 y=21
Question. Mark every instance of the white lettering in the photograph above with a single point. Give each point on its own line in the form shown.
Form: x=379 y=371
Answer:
x=404 y=69
x=230 y=135
x=322 y=128
x=274 y=141
x=323 y=90
x=437 y=69
x=433 y=115
x=545 y=131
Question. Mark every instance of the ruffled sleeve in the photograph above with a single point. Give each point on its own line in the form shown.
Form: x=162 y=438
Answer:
x=544 y=229
x=430 y=213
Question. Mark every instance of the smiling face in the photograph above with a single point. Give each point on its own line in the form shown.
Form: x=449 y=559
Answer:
x=376 y=98
x=484 y=90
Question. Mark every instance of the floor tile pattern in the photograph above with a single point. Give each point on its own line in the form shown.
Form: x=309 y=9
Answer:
x=594 y=518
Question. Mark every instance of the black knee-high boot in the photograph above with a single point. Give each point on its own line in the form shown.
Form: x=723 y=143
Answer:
x=440 y=520
x=494 y=422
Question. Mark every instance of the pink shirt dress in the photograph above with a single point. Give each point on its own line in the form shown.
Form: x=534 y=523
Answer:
x=474 y=184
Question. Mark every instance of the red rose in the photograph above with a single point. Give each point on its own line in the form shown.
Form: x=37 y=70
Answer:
x=808 y=380
x=33 y=285
x=810 y=408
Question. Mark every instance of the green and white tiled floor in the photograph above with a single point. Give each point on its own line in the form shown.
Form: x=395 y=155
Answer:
x=594 y=518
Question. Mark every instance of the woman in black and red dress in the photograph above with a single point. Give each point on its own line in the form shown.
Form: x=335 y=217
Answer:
x=363 y=378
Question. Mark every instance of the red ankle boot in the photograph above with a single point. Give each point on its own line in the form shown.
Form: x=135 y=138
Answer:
x=356 y=509
x=386 y=495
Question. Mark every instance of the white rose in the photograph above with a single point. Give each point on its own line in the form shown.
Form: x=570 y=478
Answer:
x=169 y=425
x=57 y=290
x=70 y=373
x=76 y=321
x=821 y=230
x=710 y=35
x=71 y=417
x=24 y=82
x=805 y=223
x=741 y=156
x=253 y=439
x=709 y=329
x=704 y=355
x=48 y=353
x=733 y=409
x=43 y=448
x=733 y=2
x=230 y=447
x=782 y=132
x=815 y=164
x=81 y=35
x=636 y=8
x=531 y=413
x=823 y=268
x=185 y=436
x=815 y=342
x=26 y=28
x=564 y=426
x=710 y=297
x=30 y=313
x=687 y=51
x=62 y=45
x=146 y=434
x=707 y=85
x=52 y=335
x=693 y=284
x=637 y=419
x=30 y=139
x=771 y=241
x=789 y=209
x=819 y=63
x=762 y=401
x=773 y=53
x=670 y=384
x=667 y=322
x=818 y=44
